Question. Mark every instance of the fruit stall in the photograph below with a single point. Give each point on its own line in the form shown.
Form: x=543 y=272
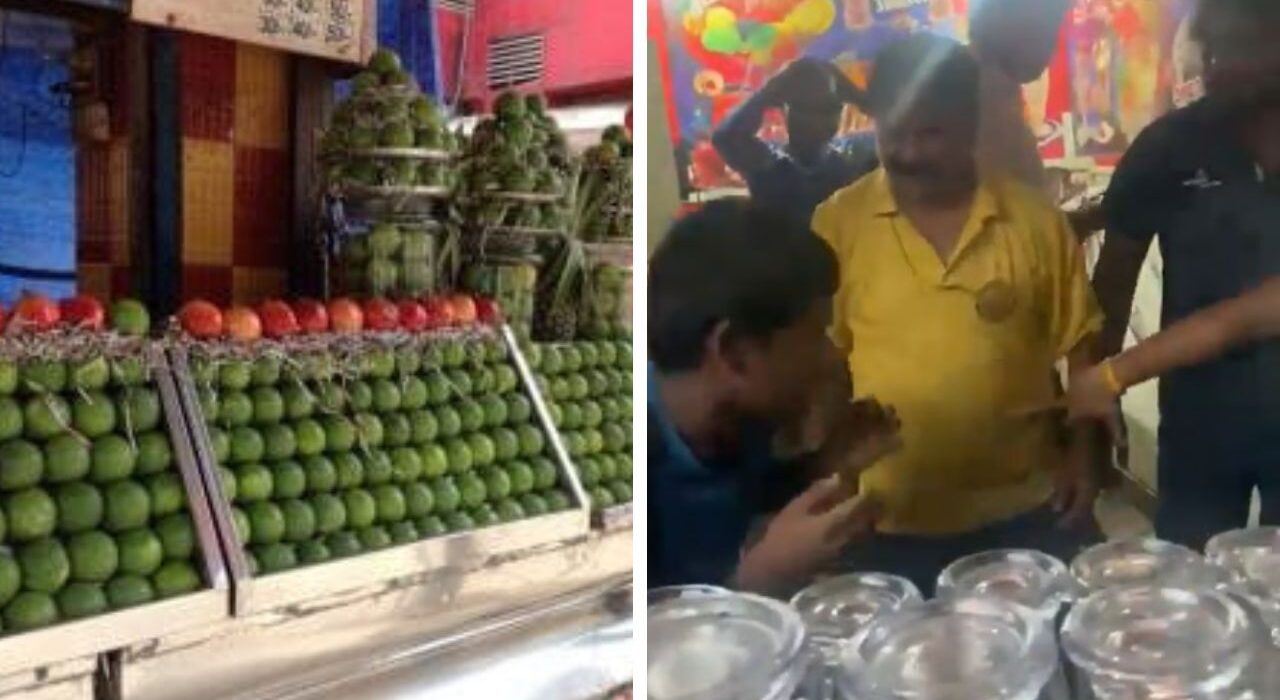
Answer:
x=408 y=470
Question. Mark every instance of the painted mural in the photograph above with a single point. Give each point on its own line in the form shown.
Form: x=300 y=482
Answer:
x=1120 y=64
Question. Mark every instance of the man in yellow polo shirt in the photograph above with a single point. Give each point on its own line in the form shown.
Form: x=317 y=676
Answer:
x=957 y=296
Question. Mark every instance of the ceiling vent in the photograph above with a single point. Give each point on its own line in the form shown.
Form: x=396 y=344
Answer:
x=464 y=6
x=516 y=60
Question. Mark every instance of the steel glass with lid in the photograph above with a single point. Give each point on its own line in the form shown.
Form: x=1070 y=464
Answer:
x=1251 y=556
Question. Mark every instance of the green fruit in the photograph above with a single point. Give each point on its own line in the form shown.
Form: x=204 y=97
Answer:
x=413 y=394
x=10 y=578
x=438 y=389
x=495 y=410
x=448 y=497
x=167 y=494
x=32 y=514
x=44 y=376
x=340 y=433
x=534 y=505
x=139 y=409
x=362 y=508
x=522 y=477
x=589 y=471
x=330 y=513
x=519 y=410
x=407 y=465
x=459 y=453
x=608 y=467
x=241 y=524
x=265 y=371
x=128 y=505
x=299 y=520
x=22 y=465
x=506 y=443
x=509 y=510
x=455 y=354
x=621 y=491
x=154 y=453
x=254 y=482
x=343 y=544
x=419 y=500
x=403 y=532
x=220 y=444
x=386 y=396
x=423 y=427
x=288 y=480
x=378 y=468
x=177 y=536
x=460 y=382
x=93 y=556
x=276 y=557
x=485 y=516
x=251 y=563
x=10 y=419
x=435 y=460
x=360 y=395
x=497 y=484
x=483 y=451
x=227 y=480
x=369 y=430
x=505 y=379
x=390 y=503
x=140 y=551
x=298 y=402
x=571 y=415
x=79 y=600
x=330 y=397
x=268 y=405
x=473 y=489
x=236 y=409
x=449 y=421
x=556 y=415
x=266 y=522
x=129 y=371
x=615 y=437
x=313 y=552
x=45 y=416
x=235 y=375
x=322 y=475
x=30 y=610
x=129 y=590
x=129 y=317
x=175 y=578
x=592 y=414
x=593 y=440
x=459 y=522
x=472 y=415
x=8 y=378
x=45 y=565
x=349 y=468
x=624 y=467
x=279 y=443
x=545 y=474
x=482 y=380
x=396 y=430
x=111 y=458
x=380 y=364
x=430 y=526
x=247 y=445
x=374 y=538
x=310 y=436
x=558 y=500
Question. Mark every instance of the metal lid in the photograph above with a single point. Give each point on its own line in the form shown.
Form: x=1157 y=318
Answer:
x=1149 y=636
x=1026 y=577
x=1251 y=554
x=841 y=606
x=694 y=590
x=1143 y=561
x=960 y=648
x=723 y=647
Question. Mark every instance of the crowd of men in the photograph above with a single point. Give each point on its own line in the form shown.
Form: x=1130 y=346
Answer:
x=907 y=296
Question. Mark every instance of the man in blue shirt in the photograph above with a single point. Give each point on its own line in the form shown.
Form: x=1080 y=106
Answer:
x=792 y=180
x=739 y=301
x=1205 y=182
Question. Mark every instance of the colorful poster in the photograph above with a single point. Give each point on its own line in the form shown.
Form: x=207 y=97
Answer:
x=1117 y=67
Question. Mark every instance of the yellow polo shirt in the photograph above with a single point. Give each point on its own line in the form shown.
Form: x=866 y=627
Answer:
x=957 y=346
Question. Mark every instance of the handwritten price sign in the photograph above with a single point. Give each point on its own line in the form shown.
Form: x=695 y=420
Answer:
x=342 y=30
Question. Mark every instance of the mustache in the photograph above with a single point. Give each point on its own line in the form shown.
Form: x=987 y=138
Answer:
x=910 y=169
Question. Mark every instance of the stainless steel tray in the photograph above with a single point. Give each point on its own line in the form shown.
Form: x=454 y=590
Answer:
x=464 y=550
x=101 y=633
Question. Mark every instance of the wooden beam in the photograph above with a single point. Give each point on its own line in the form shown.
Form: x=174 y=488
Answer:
x=138 y=66
x=166 y=166
x=312 y=104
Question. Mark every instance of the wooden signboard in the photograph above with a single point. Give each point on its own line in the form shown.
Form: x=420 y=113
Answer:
x=341 y=30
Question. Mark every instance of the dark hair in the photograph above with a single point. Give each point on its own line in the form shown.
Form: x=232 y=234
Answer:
x=732 y=261
x=924 y=71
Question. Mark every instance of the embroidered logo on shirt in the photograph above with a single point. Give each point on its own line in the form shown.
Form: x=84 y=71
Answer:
x=1202 y=181
x=996 y=301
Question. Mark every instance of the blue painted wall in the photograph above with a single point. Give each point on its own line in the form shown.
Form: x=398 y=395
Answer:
x=37 y=172
x=408 y=28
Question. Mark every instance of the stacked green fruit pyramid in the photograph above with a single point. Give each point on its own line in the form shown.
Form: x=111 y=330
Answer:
x=430 y=436
x=588 y=387
x=608 y=304
x=93 y=513
x=386 y=110
x=510 y=281
x=518 y=151
x=603 y=196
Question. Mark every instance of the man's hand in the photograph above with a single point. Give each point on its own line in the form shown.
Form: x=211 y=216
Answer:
x=1076 y=487
x=1091 y=397
x=812 y=530
x=859 y=435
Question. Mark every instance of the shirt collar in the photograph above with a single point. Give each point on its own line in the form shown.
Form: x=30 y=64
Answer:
x=985 y=204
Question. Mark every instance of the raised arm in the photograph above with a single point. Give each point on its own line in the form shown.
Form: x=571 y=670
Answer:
x=738 y=140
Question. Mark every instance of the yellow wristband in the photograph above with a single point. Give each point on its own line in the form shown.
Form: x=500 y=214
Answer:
x=1109 y=376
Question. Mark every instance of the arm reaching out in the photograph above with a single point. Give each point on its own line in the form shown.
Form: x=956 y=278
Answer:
x=737 y=140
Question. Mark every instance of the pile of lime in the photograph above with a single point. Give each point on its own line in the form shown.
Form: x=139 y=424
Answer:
x=93 y=511
x=422 y=439
x=587 y=384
